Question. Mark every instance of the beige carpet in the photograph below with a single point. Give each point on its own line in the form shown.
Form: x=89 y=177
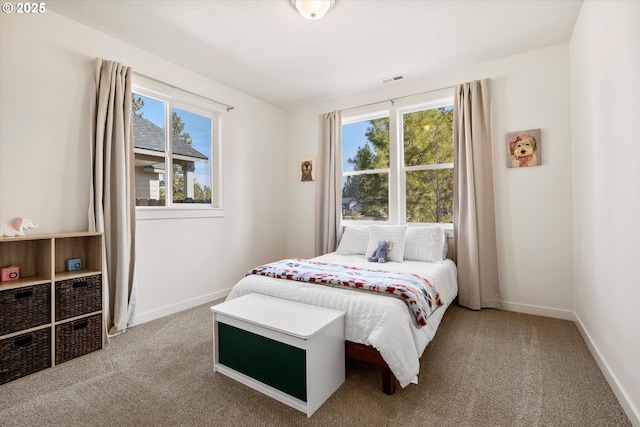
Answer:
x=488 y=368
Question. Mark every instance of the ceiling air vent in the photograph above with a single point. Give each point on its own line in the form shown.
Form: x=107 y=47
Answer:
x=392 y=79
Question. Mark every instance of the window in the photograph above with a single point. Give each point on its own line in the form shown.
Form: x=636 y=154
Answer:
x=173 y=131
x=397 y=163
x=365 y=169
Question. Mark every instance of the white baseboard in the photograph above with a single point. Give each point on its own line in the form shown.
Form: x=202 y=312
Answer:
x=539 y=310
x=175 y=308
x=632 y=412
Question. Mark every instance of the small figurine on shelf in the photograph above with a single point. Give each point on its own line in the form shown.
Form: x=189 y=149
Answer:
x=16 y=227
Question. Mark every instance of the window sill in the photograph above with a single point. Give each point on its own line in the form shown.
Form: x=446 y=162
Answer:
x=145 y=213
x=446 y=226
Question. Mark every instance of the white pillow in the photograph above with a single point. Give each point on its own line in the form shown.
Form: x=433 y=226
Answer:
x=354 y=240
x=395 y=234
x=445 y=247
x=424 y=244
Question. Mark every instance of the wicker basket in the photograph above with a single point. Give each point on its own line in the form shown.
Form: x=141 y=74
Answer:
x=25 y=308
x=25 y=354
x=75 y=297
x=78 y=337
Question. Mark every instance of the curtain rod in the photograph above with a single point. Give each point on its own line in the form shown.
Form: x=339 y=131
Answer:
x=398 y=97
x=229 y=107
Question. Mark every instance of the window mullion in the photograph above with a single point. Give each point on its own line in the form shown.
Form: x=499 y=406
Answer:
x=168 y=155
x=366 y=171
x=402 y=190
x=216 y=164
x=429 y=167
x=395 y=157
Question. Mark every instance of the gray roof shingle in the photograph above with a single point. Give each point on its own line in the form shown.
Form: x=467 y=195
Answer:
x=148 y=136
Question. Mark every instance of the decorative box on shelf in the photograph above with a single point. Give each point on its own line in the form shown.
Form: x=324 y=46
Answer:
x=74 y=264
x=9 y=273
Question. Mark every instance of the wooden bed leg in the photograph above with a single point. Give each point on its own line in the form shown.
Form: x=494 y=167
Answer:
x=388 y=381
x=368 y=354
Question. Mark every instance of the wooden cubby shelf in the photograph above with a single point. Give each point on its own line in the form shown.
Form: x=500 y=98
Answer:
x=49 y=315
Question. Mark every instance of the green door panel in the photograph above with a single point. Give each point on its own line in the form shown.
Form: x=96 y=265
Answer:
x=279 y=365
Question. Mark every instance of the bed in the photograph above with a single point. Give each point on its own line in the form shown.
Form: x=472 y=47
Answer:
x=378 y=329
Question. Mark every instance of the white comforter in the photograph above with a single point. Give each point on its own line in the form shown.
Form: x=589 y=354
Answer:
x=382 y=322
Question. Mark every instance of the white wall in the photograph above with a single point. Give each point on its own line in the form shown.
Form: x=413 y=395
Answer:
x=534 y=206
x=46 y=81
x=605 y=79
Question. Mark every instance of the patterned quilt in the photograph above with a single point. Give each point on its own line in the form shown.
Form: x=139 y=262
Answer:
x=421 y=297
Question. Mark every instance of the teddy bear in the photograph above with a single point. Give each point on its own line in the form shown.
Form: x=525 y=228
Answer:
x=381 y=254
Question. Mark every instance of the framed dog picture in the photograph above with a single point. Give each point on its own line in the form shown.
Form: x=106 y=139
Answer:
x=524 y=148
x=306 y=169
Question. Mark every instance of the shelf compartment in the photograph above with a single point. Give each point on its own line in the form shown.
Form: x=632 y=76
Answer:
x=78 y=337
x=78 y=296
x=32 y=256
x=25 y=354
x=24 y=308
x=87 y=248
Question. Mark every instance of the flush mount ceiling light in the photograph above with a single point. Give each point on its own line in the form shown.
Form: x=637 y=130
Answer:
x=313 y=9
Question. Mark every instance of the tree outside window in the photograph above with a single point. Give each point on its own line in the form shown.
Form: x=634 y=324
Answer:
x=424 y=165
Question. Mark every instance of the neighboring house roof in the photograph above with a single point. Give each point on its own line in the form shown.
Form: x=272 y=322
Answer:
x=350 y=203
x=148 y=136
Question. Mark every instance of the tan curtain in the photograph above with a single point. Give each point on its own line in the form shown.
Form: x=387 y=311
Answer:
x=473 y=197
x=112 y=199
x=329 y=183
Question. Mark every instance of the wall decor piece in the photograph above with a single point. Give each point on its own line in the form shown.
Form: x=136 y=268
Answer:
x=524 y=148
x=306 y=169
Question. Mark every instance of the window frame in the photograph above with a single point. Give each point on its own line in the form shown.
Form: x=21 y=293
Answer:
x=365 y=115
x=397 y=169
x=176 y=98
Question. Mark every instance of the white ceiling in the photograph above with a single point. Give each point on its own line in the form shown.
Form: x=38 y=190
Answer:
x=266 y=49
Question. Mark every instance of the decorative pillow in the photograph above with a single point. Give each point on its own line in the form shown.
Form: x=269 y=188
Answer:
x=425 y=244
x=354 y=240
x=445 y=247
x=395 y=234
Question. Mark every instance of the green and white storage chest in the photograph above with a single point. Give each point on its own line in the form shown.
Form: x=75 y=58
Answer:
x=291 y=351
